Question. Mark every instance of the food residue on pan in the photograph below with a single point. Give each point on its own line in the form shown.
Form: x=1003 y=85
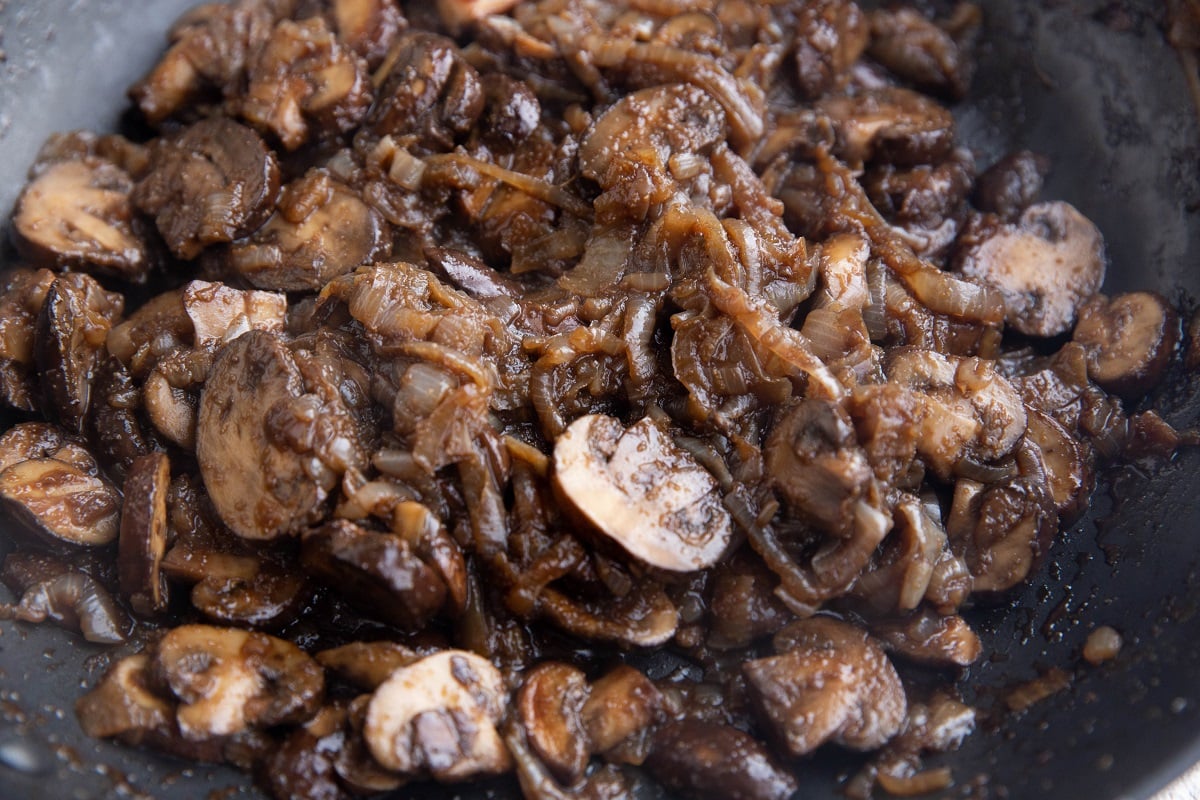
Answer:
x=424 y=367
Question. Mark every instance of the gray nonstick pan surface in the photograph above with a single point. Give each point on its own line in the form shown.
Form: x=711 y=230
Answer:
x=1092 y=84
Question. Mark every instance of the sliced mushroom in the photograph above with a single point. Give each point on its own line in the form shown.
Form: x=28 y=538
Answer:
x=303 y=85
x=550 y=707
x=61 y=503
x=143 y=536
x=22 y=294
x=438 y=717
x=1129 y=340
x=1070 y=472
x=368 y=27
x=743 y=606
x=367 y=664
x=322 y=229
x=228 y=680
x=214 y=182
x=830 y=37
x=29 y=440
x=378 y=572
x=893 y=125
x=71 y=329
x=122 y=704
x=830 y=683
x=930 y=638
x=621 y=704
x=357 y=769
x=919 y=51
x=73 y=600
x=713 y=761
x=77 y=214
x=1046 y=266
x=158 y=326
x=261 y=485
x=430 y=91
x=643 y=491
x=117 y=430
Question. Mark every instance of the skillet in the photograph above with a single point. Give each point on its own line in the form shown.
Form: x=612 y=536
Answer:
x=1090 y=83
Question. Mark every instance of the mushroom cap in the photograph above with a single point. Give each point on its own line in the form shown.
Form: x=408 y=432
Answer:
x=643 y=491
x=143 y=534
x=439 y=716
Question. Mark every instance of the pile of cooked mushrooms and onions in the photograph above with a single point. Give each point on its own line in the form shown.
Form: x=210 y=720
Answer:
x=421 y=370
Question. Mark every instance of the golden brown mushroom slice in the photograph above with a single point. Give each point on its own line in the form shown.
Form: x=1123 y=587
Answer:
x=831 y=682
x=29 y=440
x=550 y=706
x=1046 y=266
x=122 y=704
x=643 y=491
x=898 y=126
x=261 y=486
x=438 y=717
x=77 y=214
x=61 y=503
x=621 y=704
x=22 y=293
x=1129 y=340
x=143 y=536
x=367 y=664
x=228 y=680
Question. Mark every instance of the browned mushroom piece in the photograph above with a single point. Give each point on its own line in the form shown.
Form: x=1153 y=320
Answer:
x=77 y=215
x=123 y=705
x=117 y=430
x=512 y=112
x=1046 y=265
x=379 y=572
x=549 y=707
x=893 y=125
x=214 y=182
x=1129 y=340
x=28 y=440
x=1003 y=530
x=622 y=704
x=1012 y=184
x=368 y=27
x=642 y=491
x=302 y=765
x=438 y=717
x=714 y=761
x=357 y=769
x=926 y=203
x=919 y=51
x=831 y=682
x=228 y=680
x=60 y=503
x=322 y=229
x=49 y=589
x=22 y=293
x=158 y=326
x=929 y=638
x=209 y=48
x=250 y=432
x=143 y=536
x=830 y=37
x=367 y=664
x=430 y=92
x=1070 y=471
x=303 y=85
x=170 y=397
x=71 y=328
x=743 y=606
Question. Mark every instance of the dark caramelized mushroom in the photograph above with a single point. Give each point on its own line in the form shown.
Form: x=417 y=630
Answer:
x=929 y=638
x=71 y=329
x=61 y=503
x=214 y=182
x=1012 y=184
x=1129 y=340
x=29 y=440
x=1046 y=266
x=228 y=679
x=71 y=599
x=379 y=572
x=367 y=27
x=261 y=487
x=830 y=37
x=712 y=761
x=123 y=705
x=367 y=664
x=143 y=537
x=21 y=297
x=550 y=707
x=621 y=704
x=919 y=51
x=321 y=230
x=830 y=683
x=893 y=125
